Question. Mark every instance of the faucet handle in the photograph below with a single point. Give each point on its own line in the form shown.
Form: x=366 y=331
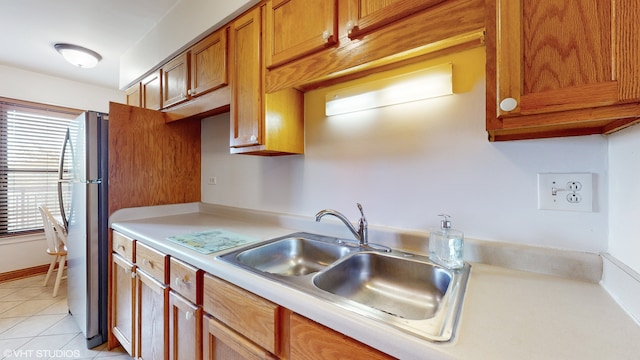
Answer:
x=363 y=231
x=361 y=211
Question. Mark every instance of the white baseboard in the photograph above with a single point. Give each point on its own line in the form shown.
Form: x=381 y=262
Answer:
x=623 y=283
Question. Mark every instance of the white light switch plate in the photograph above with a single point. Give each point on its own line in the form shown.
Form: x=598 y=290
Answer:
x=565 y=191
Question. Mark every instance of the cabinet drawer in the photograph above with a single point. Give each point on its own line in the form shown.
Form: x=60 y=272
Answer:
x=246 y=313
x=309 y=339
x=221 y=343
x=186 y=280
x=152 y=262
x=122 y=245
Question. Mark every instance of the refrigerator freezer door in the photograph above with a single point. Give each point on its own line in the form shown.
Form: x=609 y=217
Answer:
x=87 y=230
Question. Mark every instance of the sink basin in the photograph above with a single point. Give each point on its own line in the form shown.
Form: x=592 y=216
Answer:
x=292 y=256
x=397 y=286
x=403 y=290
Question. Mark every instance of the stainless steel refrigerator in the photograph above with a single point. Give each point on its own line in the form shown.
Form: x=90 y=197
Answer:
x=82 y=189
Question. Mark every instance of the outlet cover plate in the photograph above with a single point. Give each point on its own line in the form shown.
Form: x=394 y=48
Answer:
x=563 y=184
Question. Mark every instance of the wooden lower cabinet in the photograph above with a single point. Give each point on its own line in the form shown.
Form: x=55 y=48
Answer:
x=152 y=324
x=185 y=329
x=257 y=319
x=204 y=317
x=123 y=300
x=312 y=341
x=222 y=343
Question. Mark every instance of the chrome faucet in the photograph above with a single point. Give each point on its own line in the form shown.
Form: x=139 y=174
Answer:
x=360 y=234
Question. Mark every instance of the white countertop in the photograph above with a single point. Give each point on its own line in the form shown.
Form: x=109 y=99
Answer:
x=506 y=314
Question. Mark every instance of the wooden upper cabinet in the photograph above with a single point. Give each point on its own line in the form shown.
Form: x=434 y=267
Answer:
x=175 y=80
x=152 y=91
x=561 y=68
x=299 y=27
x=134 y=95
x=208 y=68
x=247 y=123
x=261 y=124
x=372 y=34
x=365 y=16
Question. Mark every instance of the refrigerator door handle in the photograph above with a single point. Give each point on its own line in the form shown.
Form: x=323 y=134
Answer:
x=67 y=140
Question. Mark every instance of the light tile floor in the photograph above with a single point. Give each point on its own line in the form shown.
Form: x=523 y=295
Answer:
x=35 y=325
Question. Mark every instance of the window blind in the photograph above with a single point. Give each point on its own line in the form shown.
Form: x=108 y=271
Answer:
x=31 y=138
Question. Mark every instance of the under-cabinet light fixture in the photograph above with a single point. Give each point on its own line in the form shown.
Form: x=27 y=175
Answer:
x=78 y=56
x=417 y=85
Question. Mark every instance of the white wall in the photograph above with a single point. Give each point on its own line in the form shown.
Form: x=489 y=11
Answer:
x=408 y=163
x=186 y=22
x=30 y=86
x=621 y=275
x=25 y=85
x=624 y=196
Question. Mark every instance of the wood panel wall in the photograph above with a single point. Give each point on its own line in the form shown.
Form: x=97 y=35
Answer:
x=151 y=162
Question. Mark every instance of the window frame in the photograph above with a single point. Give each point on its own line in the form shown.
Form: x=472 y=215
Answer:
x=33 y=108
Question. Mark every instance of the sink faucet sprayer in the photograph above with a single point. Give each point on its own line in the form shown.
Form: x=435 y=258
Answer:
x=361 y=234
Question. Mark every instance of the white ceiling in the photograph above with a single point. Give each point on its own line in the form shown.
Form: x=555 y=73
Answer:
x=30 y=28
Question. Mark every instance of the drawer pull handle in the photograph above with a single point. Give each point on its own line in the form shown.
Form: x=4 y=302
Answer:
x=147 y=262
x=183 y=281
x=122 y=247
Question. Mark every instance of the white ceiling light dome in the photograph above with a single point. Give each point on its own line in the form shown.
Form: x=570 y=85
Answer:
x=78 y=56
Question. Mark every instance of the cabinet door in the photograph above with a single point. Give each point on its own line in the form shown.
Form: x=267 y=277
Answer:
x=153 y=324
x=246 y=80
x=366 y=16
x=299 y=27
x=222 y=343
x=209 y=64
x=175 y=80
x=554 y=56
x=134 y=95
x=561 y=68
x=152 y=91
x=185 y=329
x=123 y=302
x=312 y=341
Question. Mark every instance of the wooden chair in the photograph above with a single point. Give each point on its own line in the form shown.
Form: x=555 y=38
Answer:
x=56 y=245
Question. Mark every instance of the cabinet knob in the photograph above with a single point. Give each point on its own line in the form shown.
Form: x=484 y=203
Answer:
x=133 y=275
x=179 y=282
x=147 y=262
x=188 y=315
x=508 y=104
x=253 y=138
x=326 y=35
x=350 y=25
x=189 y=92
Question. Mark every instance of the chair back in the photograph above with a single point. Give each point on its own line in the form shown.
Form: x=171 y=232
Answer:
x=55 y=233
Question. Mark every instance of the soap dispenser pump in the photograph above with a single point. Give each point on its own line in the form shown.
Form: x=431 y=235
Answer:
x=446 y=245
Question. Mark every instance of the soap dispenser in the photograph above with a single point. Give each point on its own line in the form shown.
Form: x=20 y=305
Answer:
x=446 y=245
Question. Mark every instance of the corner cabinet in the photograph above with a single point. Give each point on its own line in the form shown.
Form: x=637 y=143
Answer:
x=561 y=68
x=261 y=124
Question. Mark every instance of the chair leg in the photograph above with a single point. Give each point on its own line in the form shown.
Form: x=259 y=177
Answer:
x=63 y=259
x=53 y=264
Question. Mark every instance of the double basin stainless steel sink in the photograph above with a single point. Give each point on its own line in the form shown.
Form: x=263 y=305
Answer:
x=400 y=289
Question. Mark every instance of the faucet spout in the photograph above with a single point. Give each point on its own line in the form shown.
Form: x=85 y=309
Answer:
x=360 y=234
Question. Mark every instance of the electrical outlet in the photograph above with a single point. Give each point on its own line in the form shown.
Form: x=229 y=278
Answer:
x=212 y=180
x=565 y=192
